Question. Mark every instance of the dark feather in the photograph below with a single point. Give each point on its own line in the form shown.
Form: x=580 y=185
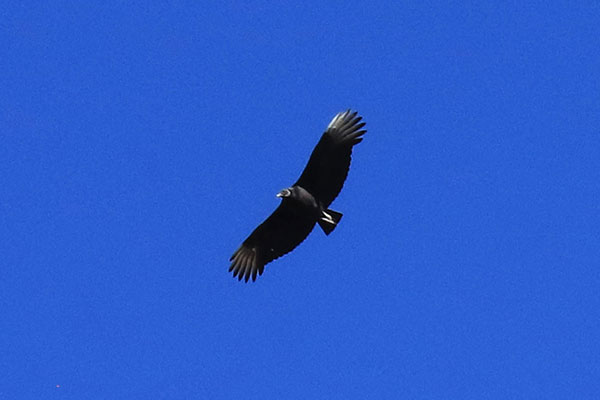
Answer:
x=277 y=235
x=328 y=166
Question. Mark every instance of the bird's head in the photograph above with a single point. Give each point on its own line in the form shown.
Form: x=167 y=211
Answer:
x=285 y=193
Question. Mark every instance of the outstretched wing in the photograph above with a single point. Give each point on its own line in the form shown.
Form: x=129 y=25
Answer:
x=277 y=235
x=328 y=166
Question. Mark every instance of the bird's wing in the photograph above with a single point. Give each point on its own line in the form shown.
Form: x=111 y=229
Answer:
x=277 y=235
x=328 y=166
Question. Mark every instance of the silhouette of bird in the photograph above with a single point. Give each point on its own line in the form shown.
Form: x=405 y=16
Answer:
x=306 y=202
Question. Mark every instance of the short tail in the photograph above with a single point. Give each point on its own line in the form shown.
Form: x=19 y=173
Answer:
x=329 y=220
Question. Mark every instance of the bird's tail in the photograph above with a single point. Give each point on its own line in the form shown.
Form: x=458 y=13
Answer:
x=329 y=220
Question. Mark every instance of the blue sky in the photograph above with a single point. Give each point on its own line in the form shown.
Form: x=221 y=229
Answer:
x=142 y=142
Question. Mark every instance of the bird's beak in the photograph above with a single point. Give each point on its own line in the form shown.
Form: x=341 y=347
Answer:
x=278 y=194
x=283 y=193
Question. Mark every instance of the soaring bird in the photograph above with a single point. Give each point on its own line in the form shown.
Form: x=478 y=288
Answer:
x=306 y=202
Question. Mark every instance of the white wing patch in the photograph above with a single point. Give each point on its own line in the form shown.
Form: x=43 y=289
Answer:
x=335 y=120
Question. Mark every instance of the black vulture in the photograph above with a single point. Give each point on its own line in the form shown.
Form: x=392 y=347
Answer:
x=306 y=202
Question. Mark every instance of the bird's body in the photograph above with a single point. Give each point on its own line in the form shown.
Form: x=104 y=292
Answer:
x=305 y=203
x=301 y=200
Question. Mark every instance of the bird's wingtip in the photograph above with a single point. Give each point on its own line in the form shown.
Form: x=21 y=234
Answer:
x=341 y=117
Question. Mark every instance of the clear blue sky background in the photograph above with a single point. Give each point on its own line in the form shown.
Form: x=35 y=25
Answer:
x=141 y=143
